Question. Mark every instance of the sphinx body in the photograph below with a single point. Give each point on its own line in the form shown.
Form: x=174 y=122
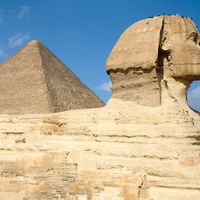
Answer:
x=143 y=145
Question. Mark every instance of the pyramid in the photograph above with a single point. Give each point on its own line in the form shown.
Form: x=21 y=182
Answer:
x=34 y=80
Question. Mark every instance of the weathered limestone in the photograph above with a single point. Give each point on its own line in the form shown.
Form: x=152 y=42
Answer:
x=181 y=39
x=154 y=52
x=35 y=81
x=123 y=151
x=134 y=58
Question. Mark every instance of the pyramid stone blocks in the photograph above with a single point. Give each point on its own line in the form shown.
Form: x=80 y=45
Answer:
x=36 y=81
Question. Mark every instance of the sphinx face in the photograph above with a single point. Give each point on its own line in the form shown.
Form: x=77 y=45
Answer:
x=183 y=41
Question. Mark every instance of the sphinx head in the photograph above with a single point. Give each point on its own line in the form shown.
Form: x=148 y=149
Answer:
x=164 y=49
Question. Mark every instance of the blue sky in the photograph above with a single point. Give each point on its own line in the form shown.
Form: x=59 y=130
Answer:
x=82 y=32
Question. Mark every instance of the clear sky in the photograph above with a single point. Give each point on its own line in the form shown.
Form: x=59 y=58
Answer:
x=82 y=32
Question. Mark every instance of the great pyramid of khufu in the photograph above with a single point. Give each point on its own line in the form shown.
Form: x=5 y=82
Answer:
x=35 y=81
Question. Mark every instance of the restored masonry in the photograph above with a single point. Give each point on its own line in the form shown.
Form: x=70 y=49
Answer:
x=144 y=144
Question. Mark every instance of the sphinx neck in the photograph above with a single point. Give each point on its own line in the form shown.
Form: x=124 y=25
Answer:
x=148 y=88
x=174 y=90
x=136 y=84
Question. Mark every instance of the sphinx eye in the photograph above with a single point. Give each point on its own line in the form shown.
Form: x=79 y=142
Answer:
x=194 y=37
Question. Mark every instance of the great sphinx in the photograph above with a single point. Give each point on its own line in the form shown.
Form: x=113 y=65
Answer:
x=144 y=144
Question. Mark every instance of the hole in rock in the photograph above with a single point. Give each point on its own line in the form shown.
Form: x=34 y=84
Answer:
x=193 y=95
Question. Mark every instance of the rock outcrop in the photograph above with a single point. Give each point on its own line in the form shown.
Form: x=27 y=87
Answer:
x=36 y=81
x=123 y=151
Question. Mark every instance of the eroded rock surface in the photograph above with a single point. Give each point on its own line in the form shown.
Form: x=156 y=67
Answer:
x=151 y=53
x=123 y=151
